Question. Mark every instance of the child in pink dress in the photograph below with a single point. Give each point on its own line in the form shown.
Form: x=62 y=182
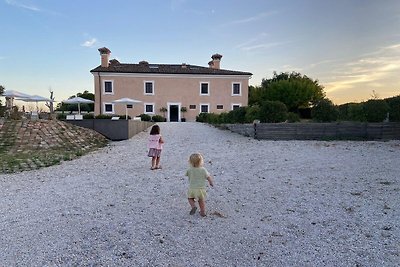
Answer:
x=155 y=146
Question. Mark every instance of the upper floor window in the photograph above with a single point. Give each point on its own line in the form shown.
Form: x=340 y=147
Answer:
x=204 y=89
x=236 y=89
x=149 y=88
x=108 y=87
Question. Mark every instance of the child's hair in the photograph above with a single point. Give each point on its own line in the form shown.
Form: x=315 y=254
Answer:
x=155 y=130
x=196 y=160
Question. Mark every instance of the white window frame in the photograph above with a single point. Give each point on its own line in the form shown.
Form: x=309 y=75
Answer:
x=236 y=104
x=144 y=87
x=220 y=108
x=240 y=89
x=149 y=104
x=104 y=87
x=204 y=104
x=104 y=108
x=208 y=88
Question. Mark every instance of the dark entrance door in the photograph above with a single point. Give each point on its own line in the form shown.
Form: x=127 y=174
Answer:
x=173 y=113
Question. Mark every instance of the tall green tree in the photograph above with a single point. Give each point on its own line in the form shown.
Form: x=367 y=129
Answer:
x=74 y=107
x=293 y=89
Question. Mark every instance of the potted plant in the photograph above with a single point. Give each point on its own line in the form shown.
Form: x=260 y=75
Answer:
x=163 y=110
x=183 y=110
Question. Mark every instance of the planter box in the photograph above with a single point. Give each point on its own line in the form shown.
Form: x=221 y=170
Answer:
x=115 y=130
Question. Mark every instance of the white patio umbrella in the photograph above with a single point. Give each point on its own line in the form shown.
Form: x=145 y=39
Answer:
x=11 y=94
x=78 y=100
x=127 y=101
x=35 y=98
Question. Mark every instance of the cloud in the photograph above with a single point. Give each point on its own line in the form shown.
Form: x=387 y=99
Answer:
x=24 y=6
x=250 y=19
x=258 y=42
x=89 y=43
x=377 y=68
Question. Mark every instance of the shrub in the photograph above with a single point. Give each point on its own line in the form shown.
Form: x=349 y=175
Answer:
x=273 y=111
x=61 y=116
x=253 y=113
x=376 y=110
x=88 y=116
x=394 y=108
x=145 y=117
x=202 y=117
x=103 y=116
x=238 y=115
x=355 y=112
x=324 y=111
x=158 y=118
x=293 y=117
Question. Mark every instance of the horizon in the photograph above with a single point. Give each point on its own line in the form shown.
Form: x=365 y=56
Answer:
x=350 y=47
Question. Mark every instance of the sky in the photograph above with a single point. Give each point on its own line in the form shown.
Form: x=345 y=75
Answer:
x=352 y=47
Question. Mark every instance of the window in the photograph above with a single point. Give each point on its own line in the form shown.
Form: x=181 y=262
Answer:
x=149 y=88
x=108 y=87
x=108 y=108
x=220 y=106
x=204 y=90
x=192 y=106
x=236 y=89
x=204 y=108
x=236 y=106
x=149 y=108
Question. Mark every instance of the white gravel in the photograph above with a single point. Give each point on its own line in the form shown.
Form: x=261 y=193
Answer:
x=275 y=203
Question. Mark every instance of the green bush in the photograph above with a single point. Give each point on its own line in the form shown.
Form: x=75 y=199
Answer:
x=202 y=117
x=103 y=116
x=237 y=115
x=394 y=108
x=253 y=113
x=158 y=118
x=273 y=111
x=293 y=117
x=61 y=116
x=88 y=116
x=145 y=117
x=355 y=112
x=376 y=110
x=324 y=111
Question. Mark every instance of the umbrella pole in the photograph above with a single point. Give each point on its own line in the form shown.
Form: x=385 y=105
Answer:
x=79 y=108
x=126 y=112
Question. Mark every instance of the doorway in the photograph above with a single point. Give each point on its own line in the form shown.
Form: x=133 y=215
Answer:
x=173 y=113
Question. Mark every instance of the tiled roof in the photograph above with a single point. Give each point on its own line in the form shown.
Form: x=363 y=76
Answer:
x=144 y=67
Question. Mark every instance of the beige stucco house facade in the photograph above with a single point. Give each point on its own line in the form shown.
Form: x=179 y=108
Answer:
x=170 y=86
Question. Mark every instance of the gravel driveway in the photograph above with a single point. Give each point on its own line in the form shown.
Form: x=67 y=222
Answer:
x=275 y=203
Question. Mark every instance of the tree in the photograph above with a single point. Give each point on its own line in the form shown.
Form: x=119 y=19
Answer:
x=375 y=110
x=1 y=91
x=73 y=107
x=50 y=105
x=293 y=89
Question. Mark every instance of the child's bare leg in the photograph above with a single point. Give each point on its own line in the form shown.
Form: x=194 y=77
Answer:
x=153 y=162
x=158 y=162
x=193 y=205
x=191 y=202
x=202 y=205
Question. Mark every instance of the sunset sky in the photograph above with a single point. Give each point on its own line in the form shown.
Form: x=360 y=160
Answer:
x=352 y=47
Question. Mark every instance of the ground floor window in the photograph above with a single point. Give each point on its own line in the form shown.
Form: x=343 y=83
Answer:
x=204 y=108
x=220 y=106
x=236 y=106
x=192 y=106
x=149 y=108
x=108 y=108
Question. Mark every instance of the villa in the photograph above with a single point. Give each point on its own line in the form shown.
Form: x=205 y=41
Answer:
x=174 y=91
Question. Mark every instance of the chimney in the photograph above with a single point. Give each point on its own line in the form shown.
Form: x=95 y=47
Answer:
x=215 y=63
x=105 y=56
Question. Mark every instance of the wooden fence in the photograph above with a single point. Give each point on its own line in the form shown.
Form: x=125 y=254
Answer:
x=319 y=131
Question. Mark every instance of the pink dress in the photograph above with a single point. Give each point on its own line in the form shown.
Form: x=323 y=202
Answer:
x=154 y=145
